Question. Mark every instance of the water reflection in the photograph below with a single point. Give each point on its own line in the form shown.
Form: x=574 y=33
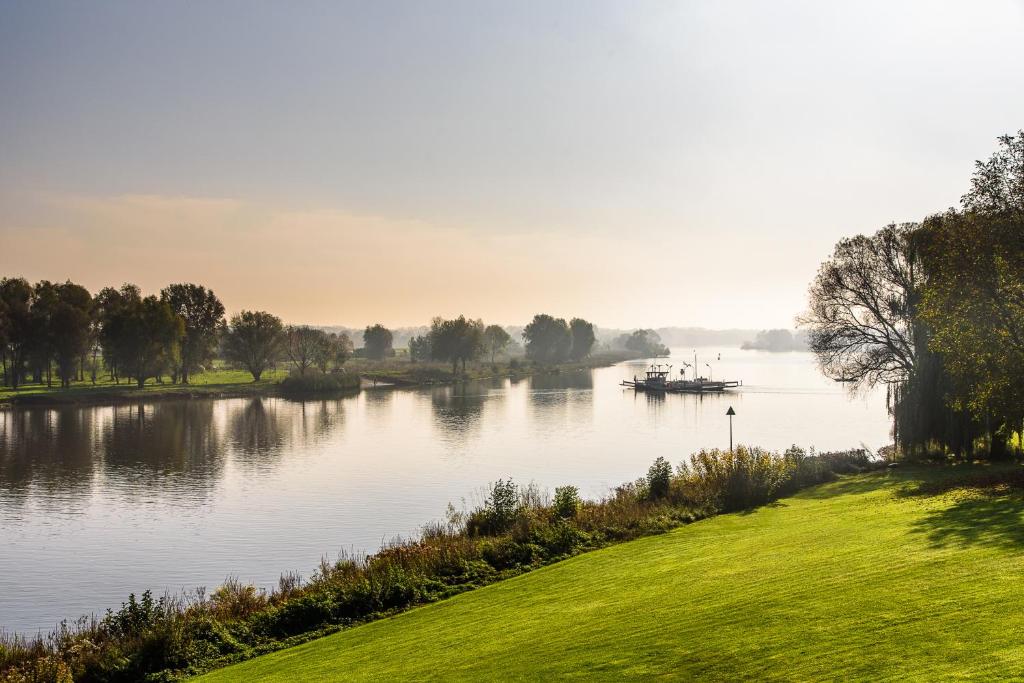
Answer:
x=51 y=449
x=257 y=432
x=458 y=410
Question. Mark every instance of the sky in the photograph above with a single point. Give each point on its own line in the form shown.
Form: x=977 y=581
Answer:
x=635 y=163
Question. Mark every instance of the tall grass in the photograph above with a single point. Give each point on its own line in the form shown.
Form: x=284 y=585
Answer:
x=515 y=529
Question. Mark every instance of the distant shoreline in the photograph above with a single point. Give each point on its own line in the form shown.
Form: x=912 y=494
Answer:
x=399 y=375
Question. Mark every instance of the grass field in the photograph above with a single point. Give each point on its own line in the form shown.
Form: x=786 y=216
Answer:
x=866 y=578
x=211 y=382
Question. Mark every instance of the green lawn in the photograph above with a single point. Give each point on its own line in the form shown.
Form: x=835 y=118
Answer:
x=861 y=579
x=212 y=381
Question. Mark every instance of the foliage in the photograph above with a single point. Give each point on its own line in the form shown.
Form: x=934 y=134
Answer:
x=202 y=314
x=974 y=299
x=254 y=341
x=548 y=339
x=566 y=501
x=377 y=342
x=456 y=340
x=862 y=307
x=306 y=347
x=583 y=338
x=314 y=381
x=496 y=340
x=936 y=312
x=419 y=348
x=659 y=477
x=645 y=342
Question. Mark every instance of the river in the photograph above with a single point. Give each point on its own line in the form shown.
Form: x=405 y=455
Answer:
x=97 y=502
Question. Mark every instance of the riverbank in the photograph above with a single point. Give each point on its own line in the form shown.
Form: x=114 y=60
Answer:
x=227 y=383
x=900 y=574
x=515 y=531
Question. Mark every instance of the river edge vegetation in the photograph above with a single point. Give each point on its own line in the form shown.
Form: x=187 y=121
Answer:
x=934 y=311
x=515 y=530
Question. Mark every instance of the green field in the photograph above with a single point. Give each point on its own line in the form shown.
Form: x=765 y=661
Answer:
x=866 y=578
x=211 y=382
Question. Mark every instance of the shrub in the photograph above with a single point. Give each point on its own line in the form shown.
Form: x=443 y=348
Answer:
x=499 y=511
x=725 y=481
x=659 y=478
x=314 y=382
x=567 y=501
x=235 y=600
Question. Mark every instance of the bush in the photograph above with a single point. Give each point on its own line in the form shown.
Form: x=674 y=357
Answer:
x=499 y=511
x=314 y=382
x=659 y=478
x=567 y=501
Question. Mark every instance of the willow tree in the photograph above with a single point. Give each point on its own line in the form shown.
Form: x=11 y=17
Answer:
x=864 y=329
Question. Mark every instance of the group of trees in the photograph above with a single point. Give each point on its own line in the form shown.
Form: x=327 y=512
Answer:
x=552 y=340
x=645 y=342
x=62 y=329
x=459 y=340
x=935 y=311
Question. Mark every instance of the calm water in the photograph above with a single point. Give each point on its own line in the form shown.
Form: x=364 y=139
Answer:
x=97 y=502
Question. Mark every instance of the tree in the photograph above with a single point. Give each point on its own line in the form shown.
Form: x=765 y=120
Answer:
x=16 y=295
x=456 y=340
x=583 y=338
x=110 y=305
x=203 y=316
x=377 y=342
x=548 y=339
x=254 y=341
x=862 y=308
x=307 y=347
x=41 y=345
x=337 y=349
x=70 y=328
x=496 y=340
x=973 y=301
x=645 y=342
x=147 y=335
x=419 y=348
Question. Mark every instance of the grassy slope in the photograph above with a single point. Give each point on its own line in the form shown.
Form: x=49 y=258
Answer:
x=849 y=580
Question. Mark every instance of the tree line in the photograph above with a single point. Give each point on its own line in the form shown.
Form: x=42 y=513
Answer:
x=934 y=310
x=60 y=329
x=460 y=340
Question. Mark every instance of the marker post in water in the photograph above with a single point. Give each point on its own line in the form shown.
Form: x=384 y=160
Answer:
x=730 y=413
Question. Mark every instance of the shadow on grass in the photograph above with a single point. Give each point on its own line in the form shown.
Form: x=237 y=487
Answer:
x=849 y=484
x=993 y=521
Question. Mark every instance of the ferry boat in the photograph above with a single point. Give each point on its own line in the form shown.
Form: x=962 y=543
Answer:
x=659 y=378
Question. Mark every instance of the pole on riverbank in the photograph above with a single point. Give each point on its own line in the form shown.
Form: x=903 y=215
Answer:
x=730 y=413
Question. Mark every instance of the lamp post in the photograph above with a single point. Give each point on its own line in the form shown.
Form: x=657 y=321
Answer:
x=730 y=413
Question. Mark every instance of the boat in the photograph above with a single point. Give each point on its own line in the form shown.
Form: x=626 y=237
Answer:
x=658 y=379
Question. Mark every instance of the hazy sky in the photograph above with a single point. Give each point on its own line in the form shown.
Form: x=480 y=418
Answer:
x=635 y=163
